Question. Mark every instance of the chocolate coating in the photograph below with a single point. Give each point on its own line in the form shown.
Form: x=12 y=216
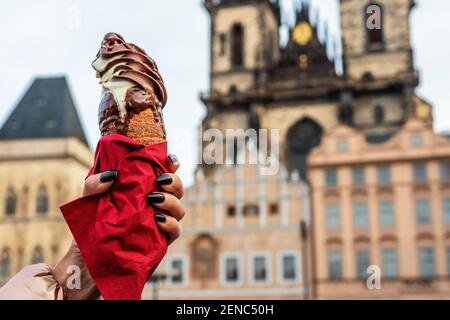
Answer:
x=131 y=84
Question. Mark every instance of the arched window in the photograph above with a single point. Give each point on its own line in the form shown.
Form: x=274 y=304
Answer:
x=204 y=257
x=37 y=256
x=374 y=25
x=42 y=201
x=378 y=114
x=5 y=265
x=233 y=91
x=10 y=202
x=301 y=138
x=237 y=45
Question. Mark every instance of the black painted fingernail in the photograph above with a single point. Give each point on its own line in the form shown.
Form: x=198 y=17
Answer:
x=108 y=176
x=164 y=179
x=173 y=158
x=155 y=198
x=160 y=218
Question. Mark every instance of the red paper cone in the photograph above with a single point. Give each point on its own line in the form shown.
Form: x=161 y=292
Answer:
x=116 y=231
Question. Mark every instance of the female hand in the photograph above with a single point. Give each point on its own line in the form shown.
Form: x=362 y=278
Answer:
x=167 y=200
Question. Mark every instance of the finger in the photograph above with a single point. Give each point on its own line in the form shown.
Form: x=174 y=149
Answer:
x=99 y=183
x=171 y=183
x=174 y=163
x=169 y=226
x=167 y=202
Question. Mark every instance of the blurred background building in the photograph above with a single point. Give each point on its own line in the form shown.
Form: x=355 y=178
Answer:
x=363 y=178
x=44 y=158
x=377 y=176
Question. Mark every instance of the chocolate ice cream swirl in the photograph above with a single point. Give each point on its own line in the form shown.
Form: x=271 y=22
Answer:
x=130 y=79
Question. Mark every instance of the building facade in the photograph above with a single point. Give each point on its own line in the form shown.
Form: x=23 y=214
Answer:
x=44 y=158
x=244 y=238
x=257 y=84
x=386 y=205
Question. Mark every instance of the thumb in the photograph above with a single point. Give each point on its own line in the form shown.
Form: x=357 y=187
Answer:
x=99 y=183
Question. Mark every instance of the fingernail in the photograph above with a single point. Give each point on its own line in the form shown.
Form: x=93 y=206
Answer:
x=173 y=158
x=164 y=179
x=108 y=176
x=155 y=198
x=160 y=218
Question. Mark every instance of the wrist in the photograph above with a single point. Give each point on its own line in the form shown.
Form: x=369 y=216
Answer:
x=73 y=276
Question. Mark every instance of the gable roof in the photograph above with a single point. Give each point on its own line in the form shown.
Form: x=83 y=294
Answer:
x=46 y=110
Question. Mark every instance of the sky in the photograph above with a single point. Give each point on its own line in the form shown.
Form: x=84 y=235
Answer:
x=55 y=37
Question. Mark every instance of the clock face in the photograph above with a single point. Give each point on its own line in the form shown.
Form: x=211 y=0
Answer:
x=302 y=33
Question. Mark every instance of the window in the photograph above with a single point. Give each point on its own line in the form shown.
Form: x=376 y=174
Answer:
x=345 y=114
x=330 y=178
x=274 y=208
x=231 y=270
x=416 y=139
x=251 y=210
x=362 y=263
x=386 y=211
x=289 y=266
x=259 y=268
x=390 y=268
x=342 y=145
x=289 y=272
x=427 y=264
x=222 y=43
x=237 y=43
x=420 y=172
x=38 y=256
x=374 y=21
x=360 y=216
x=10 y=202
x=231 y=211
x=423 y=214
x=445 y=171
x=177 y=272
x=50 y=123
x=303 y=61
x=384 y=175
x=448 y=261
x=40 y=102
x=42 y=201
x=334 y=265
x=378 y=114
x=301 y=138
x=204 y=257
x=333 y=217
x=358 y=176
x=446 y=208
x=5 y=265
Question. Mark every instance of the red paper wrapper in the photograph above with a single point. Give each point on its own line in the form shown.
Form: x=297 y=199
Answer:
x=116 y=231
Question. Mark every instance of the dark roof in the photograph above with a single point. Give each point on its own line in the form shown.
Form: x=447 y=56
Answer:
x=46 y=110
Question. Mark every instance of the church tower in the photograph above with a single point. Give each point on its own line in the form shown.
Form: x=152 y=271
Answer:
x=257 y=84
x=244 y=41
x=378 y=67
x=376 y=39
x=243 y=47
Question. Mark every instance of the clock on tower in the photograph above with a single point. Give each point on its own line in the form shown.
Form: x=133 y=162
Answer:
x=302 y=33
